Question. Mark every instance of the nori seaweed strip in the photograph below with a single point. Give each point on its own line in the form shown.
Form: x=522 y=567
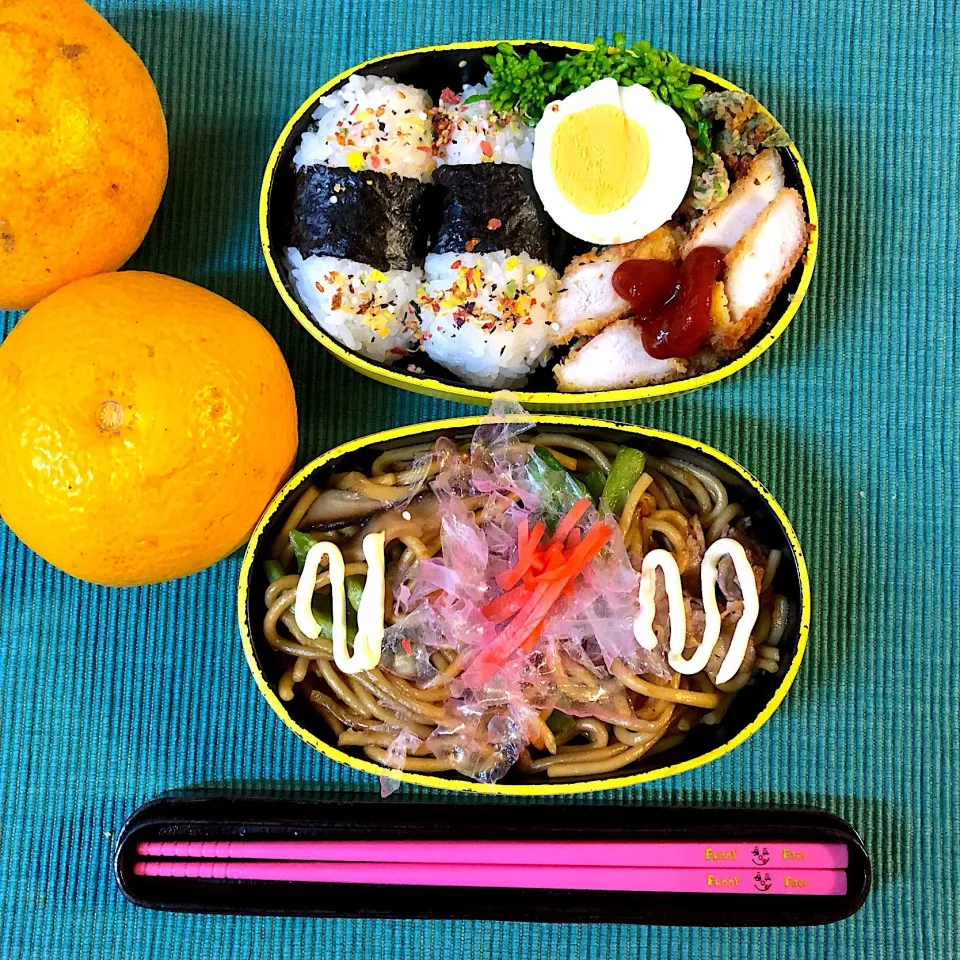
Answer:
x=494 y=204
x=376 y=218
x=473 y=194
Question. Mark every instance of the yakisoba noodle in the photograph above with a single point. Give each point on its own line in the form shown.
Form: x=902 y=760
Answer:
x=516 y=625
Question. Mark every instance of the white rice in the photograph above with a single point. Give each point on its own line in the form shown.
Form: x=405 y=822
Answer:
x=372 y=123
x=487 y=318
x=476 y=135
x=377 y=319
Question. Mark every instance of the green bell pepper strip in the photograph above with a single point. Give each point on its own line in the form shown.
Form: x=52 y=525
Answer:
x=625 y=471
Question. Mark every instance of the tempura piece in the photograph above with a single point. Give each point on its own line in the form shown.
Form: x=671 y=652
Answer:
x=759 y=265
x=726 y=223
x=587 y=301
x=614 y=359
x=708 y=188
x=747 y=127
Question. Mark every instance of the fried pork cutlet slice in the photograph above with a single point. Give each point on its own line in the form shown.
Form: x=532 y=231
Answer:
x=721 y=337
x=727 y=222
x=614 y=360
x=759 y=265
x=587 y=301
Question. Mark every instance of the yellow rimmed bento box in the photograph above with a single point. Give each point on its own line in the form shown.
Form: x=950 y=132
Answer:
x=434 y=68
x=750 y=708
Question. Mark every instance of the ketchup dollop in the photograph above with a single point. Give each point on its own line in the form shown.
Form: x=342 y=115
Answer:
x=646 y=284
x=672 y=305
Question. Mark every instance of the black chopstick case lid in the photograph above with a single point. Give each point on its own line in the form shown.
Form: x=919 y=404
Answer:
x=243 y=818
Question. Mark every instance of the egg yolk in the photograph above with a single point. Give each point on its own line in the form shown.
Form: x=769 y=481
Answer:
x=599 y=158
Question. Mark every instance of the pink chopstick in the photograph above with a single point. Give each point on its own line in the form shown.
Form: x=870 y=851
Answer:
x=662 y=853
x=638 y=879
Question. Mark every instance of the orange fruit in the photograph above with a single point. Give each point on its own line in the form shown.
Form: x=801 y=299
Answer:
x=83 y=148
x=145 y=423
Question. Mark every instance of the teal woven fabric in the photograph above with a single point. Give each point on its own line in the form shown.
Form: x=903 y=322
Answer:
x=112 y=697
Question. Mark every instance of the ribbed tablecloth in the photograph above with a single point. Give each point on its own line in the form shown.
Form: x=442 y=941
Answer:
x=111 y=697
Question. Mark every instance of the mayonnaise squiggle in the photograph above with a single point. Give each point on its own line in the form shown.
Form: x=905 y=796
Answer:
x=643 y=625
x=368 y=644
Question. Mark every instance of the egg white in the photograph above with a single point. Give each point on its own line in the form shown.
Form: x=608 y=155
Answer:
x=668 y=173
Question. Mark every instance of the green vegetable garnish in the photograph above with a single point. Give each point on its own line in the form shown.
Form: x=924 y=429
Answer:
x=624 y=474
x=545 y=458
x=323 y=613
x=557 y=488
x=558 y=722
x=354 y=586
x=704 y=140
x=301 y=542
x=273 y=570
x=594 y=481
x=322 y=610
x=525 y=85
x=351 y=629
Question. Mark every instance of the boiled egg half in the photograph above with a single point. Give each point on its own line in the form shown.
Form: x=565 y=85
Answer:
x=611 y=163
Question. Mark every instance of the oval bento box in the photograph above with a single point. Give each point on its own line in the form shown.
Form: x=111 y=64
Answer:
x=750 y=709
x=454 y=65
